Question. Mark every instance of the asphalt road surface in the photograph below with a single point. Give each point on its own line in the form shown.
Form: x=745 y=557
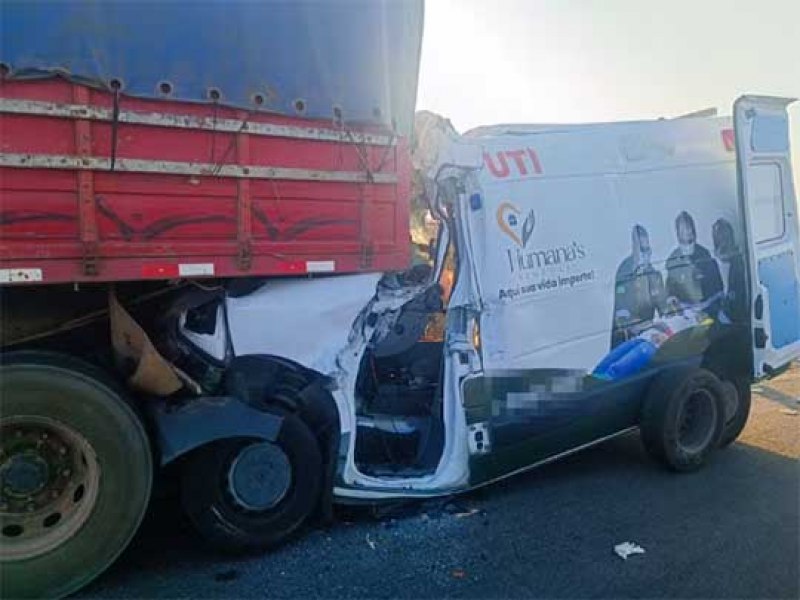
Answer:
x=728 y=531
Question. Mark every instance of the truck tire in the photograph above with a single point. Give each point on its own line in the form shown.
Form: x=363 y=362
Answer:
x=76 y=470
x=738 y=398
x=246 y=495
x=683 y=417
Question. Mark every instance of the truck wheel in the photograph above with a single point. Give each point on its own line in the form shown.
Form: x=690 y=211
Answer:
x=737 y=409
x=75 y=474
x=246 y=495
x=683 y=417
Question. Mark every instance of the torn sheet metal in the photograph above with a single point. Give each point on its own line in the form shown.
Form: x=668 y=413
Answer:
x=438 y=144
x=151 y=373
x=305 y=320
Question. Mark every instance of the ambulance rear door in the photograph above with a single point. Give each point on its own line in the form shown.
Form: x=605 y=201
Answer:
x=769 y=202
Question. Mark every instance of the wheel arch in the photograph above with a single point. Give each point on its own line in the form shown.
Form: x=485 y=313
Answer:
x=729 y=355
x=267 y=381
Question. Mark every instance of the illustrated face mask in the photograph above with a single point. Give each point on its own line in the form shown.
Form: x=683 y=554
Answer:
x=641 y=247
x=722 y=255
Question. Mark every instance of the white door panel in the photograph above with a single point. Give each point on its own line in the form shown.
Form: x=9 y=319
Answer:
x=770 y=206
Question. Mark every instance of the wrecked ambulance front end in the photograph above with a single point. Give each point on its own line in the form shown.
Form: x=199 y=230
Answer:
x=388 y=349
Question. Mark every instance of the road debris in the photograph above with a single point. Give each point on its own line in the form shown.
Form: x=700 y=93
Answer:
x=458 y=573
x=625 y=549
x=370 y=543
x=467 y=513
x=789 y=411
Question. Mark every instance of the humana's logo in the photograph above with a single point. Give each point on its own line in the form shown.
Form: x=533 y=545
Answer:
x=511 y=222
x=520 y=230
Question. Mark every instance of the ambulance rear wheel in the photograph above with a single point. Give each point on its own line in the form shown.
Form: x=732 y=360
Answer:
x=738 y=398
x=246 y=495
x=683 y=417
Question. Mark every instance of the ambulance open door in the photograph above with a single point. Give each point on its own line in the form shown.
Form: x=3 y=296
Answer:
x=769 y=203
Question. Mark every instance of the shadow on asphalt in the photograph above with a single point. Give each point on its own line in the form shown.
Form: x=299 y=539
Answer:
x=728 y=530
x=165 y=531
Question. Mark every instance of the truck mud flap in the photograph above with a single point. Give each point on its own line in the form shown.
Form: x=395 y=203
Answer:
x=180 y=428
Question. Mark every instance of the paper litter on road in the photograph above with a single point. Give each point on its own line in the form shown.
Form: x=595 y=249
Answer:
x=789 y=411
x=467 y=513
x=370 y=542
x=625 y=549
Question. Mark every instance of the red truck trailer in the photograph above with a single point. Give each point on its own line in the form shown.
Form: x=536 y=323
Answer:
x=144 y=147
x=99 y=187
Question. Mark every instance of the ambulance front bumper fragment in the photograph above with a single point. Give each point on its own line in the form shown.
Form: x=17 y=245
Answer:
x=181 y=428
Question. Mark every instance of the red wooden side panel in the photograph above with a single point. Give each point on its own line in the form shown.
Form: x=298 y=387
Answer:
x=196 y=190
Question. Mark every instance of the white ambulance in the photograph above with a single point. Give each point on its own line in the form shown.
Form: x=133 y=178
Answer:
x=586 y=281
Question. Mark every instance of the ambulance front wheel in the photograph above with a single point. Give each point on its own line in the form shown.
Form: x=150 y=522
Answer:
x=246 y=495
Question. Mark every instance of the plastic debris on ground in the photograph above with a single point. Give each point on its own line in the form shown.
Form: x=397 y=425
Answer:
x=625 y=549
x=370 y=542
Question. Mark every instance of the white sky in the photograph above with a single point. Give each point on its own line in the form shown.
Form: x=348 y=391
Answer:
x=545 y=61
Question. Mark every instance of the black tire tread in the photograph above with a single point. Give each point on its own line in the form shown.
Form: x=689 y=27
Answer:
x=65 y=569
x=203 y=501
x=735 y=427
x=663 y=393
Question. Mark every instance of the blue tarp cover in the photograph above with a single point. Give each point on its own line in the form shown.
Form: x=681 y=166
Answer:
x=359 y=55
